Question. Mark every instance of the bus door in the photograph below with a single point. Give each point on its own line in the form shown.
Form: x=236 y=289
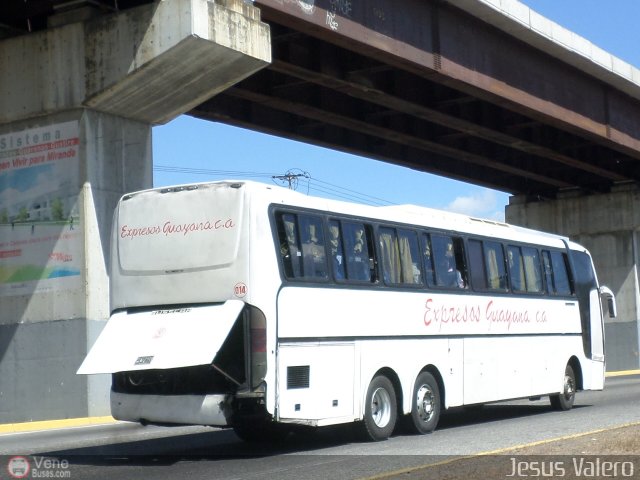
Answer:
x=590 y=298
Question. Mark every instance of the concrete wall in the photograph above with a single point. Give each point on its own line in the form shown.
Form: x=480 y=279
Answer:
x=608 y=225
x=46 y=324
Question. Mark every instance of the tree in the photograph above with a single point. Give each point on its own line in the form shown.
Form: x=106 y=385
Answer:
x=4 y=216
x=23 y=215
x=57 y=209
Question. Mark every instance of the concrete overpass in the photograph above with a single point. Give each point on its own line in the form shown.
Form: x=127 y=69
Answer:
x=468 y=89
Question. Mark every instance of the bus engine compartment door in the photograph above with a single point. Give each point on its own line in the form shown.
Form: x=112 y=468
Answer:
x=161 y=339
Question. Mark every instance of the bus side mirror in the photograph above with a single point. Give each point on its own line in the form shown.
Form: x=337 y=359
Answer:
x=610 y=298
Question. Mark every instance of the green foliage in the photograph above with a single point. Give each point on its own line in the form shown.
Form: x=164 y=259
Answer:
x=23 y=215
x=57 y=210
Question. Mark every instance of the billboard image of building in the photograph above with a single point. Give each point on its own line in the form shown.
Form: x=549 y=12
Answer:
x=40 y=232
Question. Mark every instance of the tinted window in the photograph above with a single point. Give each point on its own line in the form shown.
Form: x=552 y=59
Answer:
x=336 y=250
x=487 y=267
x=516 y=269
x=476 y=265
x=448 y=261
x=302 y=246
x=560 y=283
x=496 y=270
x=289 y=245
x=525 y=269
x=584 y=269
x=410 y=257
x=532 y=270
x=428 y=271
x=390 y=255
x=401 y=259
x=358 y=251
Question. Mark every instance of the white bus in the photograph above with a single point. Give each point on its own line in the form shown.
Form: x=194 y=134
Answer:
x=244 y=305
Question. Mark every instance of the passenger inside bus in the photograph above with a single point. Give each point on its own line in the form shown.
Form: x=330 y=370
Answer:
x=447 y=271
x=428 y=262
x=289 y=247
x=313 y=252
x=335 y=245
x=358 y=259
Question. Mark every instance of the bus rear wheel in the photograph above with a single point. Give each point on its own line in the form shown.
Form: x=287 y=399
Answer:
x=564 y=400
x=380 y=410
x=425 y=406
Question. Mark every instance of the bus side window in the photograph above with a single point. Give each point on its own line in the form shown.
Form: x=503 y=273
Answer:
x=477 y=265
x=357 y=248
x=336 y=249
x=409 y=257
x=557 y=273
x=516 y=269
x=487 y=267
x=548 y=271
x=390 y=255
x=313 y=251
x=496 y=271
x=449 y=261
x=401 y=263
x=302 y=252
x=290 y=252
x=532 y=272
x=427 y=257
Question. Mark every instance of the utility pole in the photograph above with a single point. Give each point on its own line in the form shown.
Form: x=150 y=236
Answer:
x=290 y=178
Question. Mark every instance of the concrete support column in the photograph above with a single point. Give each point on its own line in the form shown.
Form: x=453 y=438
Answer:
x=57 y=204
x=608 y=225
x=77 y=104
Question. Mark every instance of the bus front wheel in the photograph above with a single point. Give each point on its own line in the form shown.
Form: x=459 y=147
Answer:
x=425 y=407
x=564 y=400
x=380 y=410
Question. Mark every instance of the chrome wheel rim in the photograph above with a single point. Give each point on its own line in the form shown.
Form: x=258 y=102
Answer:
x=425 y=402
x=381 y=407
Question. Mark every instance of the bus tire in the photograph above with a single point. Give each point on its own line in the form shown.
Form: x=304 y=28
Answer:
x=380 y=410
x=564 y=400
x=426 y=404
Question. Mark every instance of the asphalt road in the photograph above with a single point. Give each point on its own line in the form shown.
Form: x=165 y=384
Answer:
x=129 y=451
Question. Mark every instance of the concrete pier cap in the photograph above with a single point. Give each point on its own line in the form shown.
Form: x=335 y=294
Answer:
x=189 y=51
x=149 y=64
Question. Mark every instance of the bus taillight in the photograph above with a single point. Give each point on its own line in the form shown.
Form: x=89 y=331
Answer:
x=258 y=342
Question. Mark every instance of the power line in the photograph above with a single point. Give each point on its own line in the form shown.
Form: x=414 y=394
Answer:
x=210 y=172
x=362 y=197
x=290 y=178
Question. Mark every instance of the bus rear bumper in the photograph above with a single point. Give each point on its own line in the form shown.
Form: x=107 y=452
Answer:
x=213 y=410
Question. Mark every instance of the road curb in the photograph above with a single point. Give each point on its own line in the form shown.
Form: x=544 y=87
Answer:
x=622 y=373
x=53 y=424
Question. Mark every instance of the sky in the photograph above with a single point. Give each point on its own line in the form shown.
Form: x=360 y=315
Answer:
x=189 y=150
